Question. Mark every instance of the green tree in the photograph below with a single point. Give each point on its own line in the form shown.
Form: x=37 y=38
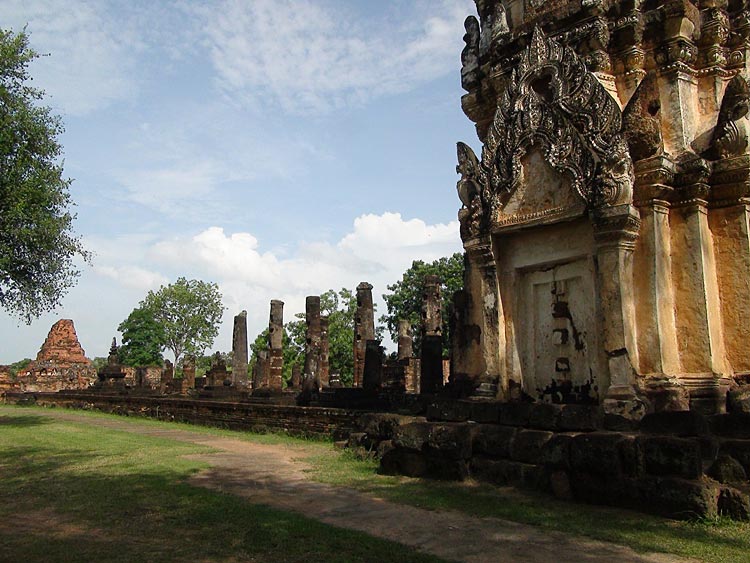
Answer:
x=143 y=339
x=341 y=308
x=18 y=367
x=189 y=312
x=37 y=247
x=405 y=299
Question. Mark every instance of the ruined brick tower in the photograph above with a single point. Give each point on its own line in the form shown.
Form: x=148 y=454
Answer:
x=605 y=222
x=61 y=362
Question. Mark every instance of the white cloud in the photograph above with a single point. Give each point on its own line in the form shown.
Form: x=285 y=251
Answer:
x=133 y=277
x=92 y=57
x=311 y=57
x=231 y=258
x=379 y=249
x=162 y=188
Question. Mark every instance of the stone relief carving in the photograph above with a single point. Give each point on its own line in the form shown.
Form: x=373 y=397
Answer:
x=469 y=191
x=730 y=137
x=470 y=54
x=553 y=103
x=617 y=174
x=495 y=28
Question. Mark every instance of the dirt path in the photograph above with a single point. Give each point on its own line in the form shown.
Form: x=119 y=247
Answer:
x=275 y=476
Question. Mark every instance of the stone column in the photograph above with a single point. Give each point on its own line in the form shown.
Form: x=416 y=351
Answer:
x=432 y=314
x=465 y=337
x=239 y=350
x=405 y=341
x=489 y=381
x=657 y=333
x=296 y=381
x=372 y=376
x=312 y=343
x=615 y=233
x=167 y=377
x=264 y=369
x=731 y=229
x=364 y=329
x=699 y=327
x=324 y=351
x=188 y=373
x=275 y=345
x=256 y=373
x=431 y=365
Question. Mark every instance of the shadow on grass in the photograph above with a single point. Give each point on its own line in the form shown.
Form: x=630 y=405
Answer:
x=68 y=505
x=722 y=540
x=23 y=420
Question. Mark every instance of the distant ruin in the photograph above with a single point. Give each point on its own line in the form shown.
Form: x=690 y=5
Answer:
x=60 y=364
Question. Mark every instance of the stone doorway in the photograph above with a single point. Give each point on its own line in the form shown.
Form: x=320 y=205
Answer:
x=559 y=341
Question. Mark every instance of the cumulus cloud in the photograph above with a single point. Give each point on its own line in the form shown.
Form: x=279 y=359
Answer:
x=382 y=246
x=378 y=249
x=311 y=57
x=232 y=257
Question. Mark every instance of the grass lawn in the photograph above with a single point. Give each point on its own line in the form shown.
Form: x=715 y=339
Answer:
x=720 y=541
x=75 y=492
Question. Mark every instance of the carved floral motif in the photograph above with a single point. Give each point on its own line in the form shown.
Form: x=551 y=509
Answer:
x=552 y=102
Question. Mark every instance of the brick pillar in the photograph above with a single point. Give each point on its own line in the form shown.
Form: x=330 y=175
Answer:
x=431 y=365
x=312 y=343
x=405 y=341
x=372 y=375
x=188 y=373
x=296 y=381
x=239 y=350
x=324 y=352
x=432 y=316
x=275 y=345
x=364 y=329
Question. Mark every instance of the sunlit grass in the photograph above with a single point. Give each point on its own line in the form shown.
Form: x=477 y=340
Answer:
x=80 y=492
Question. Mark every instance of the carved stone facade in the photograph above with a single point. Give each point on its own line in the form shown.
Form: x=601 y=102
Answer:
x=606 y=222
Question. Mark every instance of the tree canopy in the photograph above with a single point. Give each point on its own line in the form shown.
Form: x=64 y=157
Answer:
x=143 y=339
x=37 y=247
x=189 y=312
x=405 y=300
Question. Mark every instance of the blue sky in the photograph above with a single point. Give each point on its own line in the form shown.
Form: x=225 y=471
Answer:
x=279 y=148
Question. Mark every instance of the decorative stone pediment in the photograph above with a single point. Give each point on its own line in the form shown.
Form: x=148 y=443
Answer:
x=555 y=128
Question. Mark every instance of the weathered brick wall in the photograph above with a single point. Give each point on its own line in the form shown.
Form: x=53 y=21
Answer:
x=316 y=421
x=678 y=464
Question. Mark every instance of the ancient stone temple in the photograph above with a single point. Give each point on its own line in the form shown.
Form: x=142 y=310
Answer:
x=606 y=218
x=60 y=364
